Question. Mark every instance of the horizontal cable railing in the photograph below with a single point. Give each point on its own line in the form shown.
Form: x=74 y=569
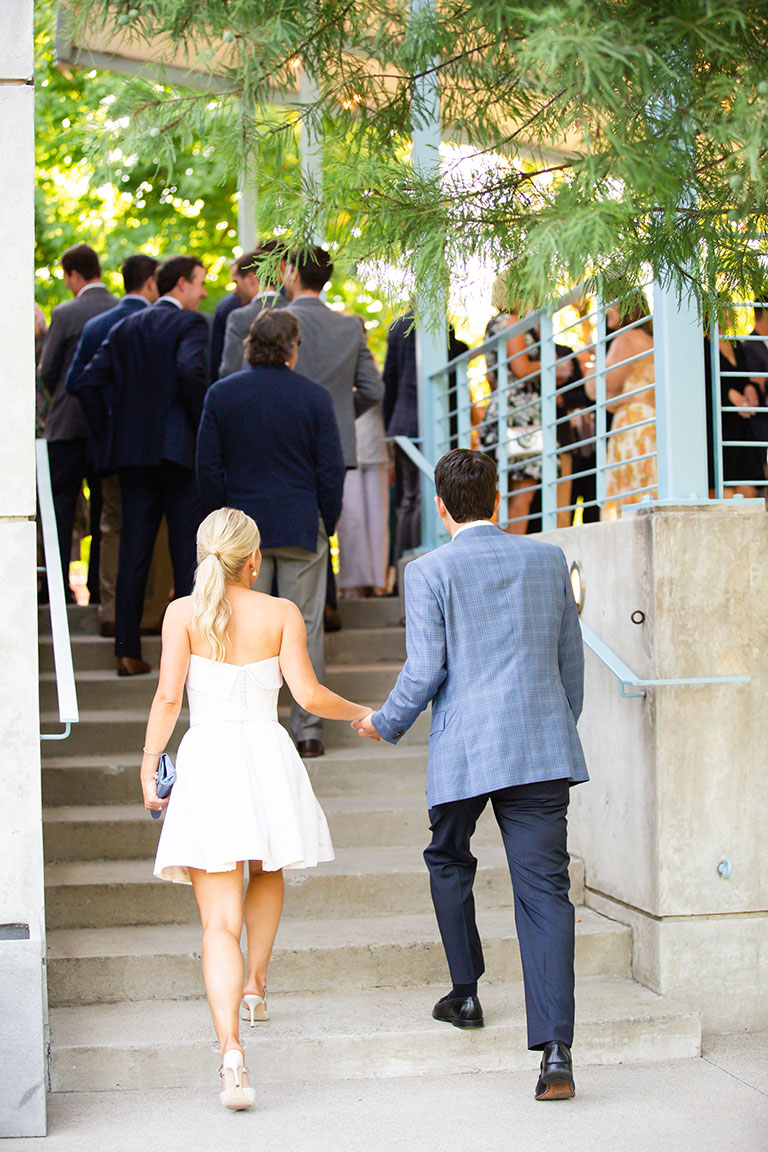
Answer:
x=568 y=414
x=62 y=648
x=738 y=432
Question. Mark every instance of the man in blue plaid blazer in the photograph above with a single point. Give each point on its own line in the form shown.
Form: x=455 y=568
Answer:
x=494 y=643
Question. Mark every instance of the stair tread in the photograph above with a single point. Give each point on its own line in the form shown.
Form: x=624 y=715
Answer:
x=164 y=1024
x=300 y=934
x=109 y=676
x=349 y=861
x=332 y=805
x=366 y=750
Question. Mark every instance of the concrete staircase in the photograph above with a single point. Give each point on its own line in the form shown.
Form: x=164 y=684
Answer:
x=358 y=961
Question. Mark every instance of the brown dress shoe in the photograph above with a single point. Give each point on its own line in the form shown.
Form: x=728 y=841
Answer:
x=331 y=619
x=107 y=628
x=308 y=749
x=132 y=666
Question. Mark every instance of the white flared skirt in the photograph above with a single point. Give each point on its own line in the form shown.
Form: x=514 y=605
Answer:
x=241 y=793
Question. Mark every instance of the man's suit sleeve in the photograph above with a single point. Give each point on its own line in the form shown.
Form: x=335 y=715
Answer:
x=425 y=667
x=93 y=386
x=211 y=477
x=570 y=650
x=390 y=376
x=329 y=465
x=369 y=388
x=83 y=354
x=232 y=355
x=192 y=368
x=54 y=351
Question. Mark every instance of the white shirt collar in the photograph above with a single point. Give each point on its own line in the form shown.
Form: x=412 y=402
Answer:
x=93 y=284
x=471 y=524
x=172 y=300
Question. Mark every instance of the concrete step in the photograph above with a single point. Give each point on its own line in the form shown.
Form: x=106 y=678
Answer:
x=111 y=893
x=113 y=777
x=92 y=966
x=350 y=646
x=127 y=832
x=381 y=612
x=379 y=1032
x=122 y=730
x=99 y=689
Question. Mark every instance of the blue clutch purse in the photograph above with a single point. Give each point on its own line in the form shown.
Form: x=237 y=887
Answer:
x=165 y=778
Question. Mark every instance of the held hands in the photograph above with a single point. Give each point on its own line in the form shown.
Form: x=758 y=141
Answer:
x=364 y=726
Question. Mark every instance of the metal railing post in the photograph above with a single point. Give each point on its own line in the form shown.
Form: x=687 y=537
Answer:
x=431 y=338
x=548 y=425
x=681 y=425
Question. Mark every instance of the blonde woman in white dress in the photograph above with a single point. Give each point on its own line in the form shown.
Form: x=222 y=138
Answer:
x=242 y=793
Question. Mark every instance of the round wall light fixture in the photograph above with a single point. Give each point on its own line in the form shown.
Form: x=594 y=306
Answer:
x=578 y=586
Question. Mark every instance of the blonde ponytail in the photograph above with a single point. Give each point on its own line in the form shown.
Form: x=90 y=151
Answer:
x=225 y=540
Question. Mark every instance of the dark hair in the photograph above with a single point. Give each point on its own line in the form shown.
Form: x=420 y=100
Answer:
x=82 y=258
x=248 y=262
x=634 y=307
x=272 y=337
x=466 y=483
x=314 y=267
x=137 y=270
x=758 y=311
x=172 y=270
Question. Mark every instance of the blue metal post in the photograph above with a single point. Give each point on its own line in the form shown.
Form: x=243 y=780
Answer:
x=431 y=339
x=548 y=425
x=681 y=423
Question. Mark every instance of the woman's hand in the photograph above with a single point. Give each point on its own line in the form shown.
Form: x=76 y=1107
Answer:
x=152 y=801
x=364 y=727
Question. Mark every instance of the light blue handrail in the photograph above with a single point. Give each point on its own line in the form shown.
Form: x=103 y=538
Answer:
x=628 y=679
x=62 y=649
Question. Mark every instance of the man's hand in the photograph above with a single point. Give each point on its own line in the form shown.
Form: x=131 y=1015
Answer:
x=746 y=399
x=365 y=727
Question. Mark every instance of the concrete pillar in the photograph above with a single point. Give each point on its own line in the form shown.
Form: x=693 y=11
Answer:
x=22 y=930
x=672 y=824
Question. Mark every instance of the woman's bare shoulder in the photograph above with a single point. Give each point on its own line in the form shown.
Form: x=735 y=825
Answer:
x=179 y=612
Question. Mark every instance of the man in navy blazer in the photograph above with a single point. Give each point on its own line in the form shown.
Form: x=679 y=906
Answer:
x=138 y=274
x=270 y=446
x=494 y=644
x=143 y=393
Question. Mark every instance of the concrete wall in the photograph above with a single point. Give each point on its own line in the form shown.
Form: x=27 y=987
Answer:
x=679 y=778
x=22 y=990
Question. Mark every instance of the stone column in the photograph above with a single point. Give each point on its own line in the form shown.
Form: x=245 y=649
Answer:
x=22 y=928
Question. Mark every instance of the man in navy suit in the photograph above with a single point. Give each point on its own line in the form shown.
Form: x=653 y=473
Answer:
x=270 y=446
x=494 y=644
x=138 y=274
x=143 y=392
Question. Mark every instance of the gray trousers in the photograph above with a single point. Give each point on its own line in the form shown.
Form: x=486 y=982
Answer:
x=301 y=578
x=160 y=579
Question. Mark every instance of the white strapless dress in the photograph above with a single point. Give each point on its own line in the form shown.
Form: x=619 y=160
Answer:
x=241 y=791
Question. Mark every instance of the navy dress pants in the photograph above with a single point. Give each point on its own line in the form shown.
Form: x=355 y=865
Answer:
x=70 y=466
x=532 y=820
x=146 y=494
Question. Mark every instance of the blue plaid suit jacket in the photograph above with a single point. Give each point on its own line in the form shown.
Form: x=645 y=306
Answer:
x=493 y=641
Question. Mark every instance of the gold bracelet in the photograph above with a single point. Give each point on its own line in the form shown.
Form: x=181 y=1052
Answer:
x=147 y=752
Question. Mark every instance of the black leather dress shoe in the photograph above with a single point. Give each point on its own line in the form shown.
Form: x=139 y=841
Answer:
x=310 y=748
x=556 y=1075
x=461 y=1011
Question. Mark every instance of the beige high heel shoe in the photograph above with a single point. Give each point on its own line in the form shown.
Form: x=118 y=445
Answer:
x=236 y=1092
x=255 y=1007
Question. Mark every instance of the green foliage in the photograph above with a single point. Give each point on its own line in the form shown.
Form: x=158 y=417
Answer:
x=604 y=138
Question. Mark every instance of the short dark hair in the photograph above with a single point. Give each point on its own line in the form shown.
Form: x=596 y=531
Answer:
x=248 y=262
x=758 y=311
x=272 y=337
x=314 y=267
x=136 y=270
x=466 y=483
x=82 y=258
x=172 y=270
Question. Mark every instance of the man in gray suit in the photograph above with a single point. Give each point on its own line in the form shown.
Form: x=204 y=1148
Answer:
x=256 y=294
x=66 y=428
x=335 y=353
x=494 y=644
x=334 y=350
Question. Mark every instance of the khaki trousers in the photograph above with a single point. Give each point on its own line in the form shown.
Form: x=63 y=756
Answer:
x=160 y=573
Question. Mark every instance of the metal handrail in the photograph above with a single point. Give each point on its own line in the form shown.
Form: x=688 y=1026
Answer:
x=628 y=679
x=62 y=647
